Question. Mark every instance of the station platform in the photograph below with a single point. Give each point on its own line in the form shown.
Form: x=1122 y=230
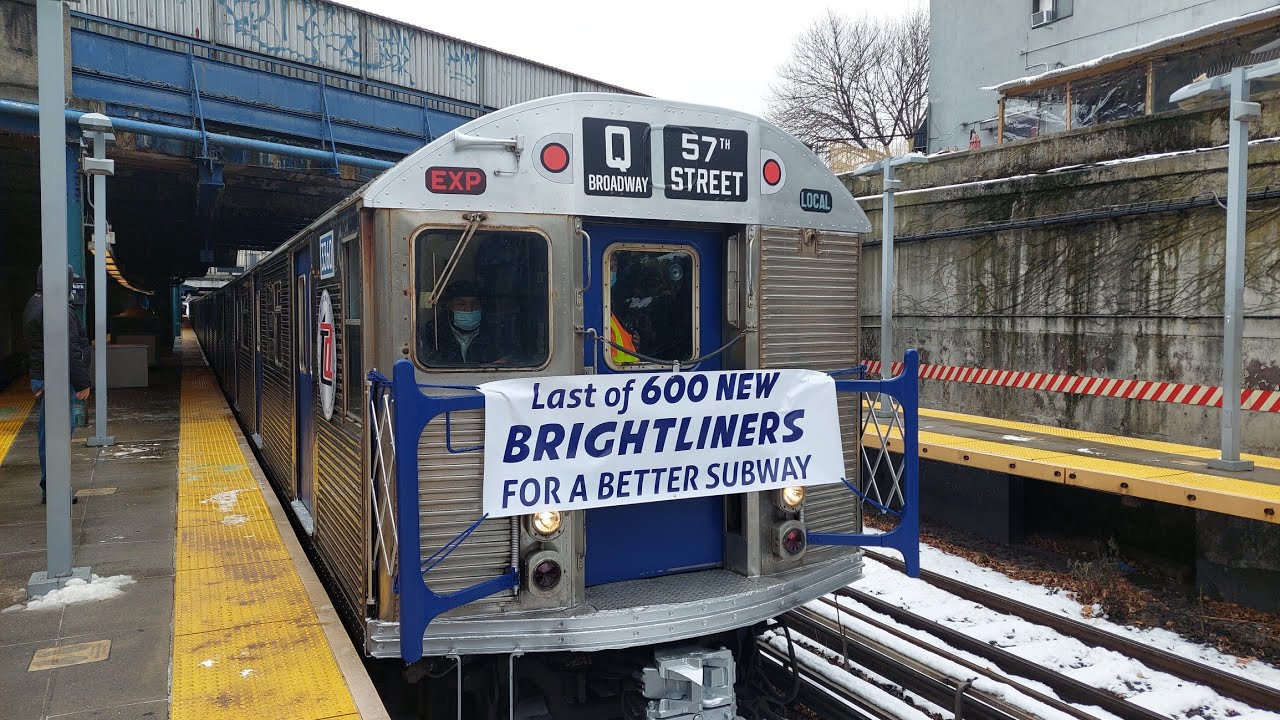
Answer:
x=221 y=616
x=1149 y=469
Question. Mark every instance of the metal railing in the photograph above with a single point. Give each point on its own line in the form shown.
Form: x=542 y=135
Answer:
x=890 y=410
x=411 y=410
x=401 y=411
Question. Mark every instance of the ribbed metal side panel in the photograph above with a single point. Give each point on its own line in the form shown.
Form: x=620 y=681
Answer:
x=305 y=31
x=339 y=484
x=509 y=81
x=179 y=17
x=450 y=485
x=809 y=319
x=227 y=347
x=246 y=393
x=277 y=377
x=422 y=60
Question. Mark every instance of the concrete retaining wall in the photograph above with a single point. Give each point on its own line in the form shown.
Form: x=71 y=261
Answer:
x=1136 y=296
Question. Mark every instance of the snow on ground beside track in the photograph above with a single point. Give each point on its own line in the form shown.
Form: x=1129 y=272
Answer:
x=1153 y=689
x=79 y=591
x=1007 y=693
x=856 y=686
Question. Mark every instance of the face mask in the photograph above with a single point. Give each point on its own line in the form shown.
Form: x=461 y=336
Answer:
x=466 y=320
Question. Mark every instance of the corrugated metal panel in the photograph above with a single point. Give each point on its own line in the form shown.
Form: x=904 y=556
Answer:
x=809 y=319
x=227 y=348
x=179 y=17
x=305 y=31
x=246 y=393
x=418 y=59
x=509 y=81
x=449 y=501
x=277 y=375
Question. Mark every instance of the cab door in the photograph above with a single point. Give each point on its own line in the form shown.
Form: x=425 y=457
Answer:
x=655 y=290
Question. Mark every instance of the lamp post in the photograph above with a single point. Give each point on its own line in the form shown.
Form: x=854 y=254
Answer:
x=891 y=185
x=1240 y=112
x=97 y=130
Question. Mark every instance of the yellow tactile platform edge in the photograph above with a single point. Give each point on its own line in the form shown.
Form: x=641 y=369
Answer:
x=15 y=404
x=1230 y=496
x=1104 y=438
x=247 y=642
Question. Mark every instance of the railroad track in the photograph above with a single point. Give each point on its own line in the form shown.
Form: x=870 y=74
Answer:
x=971 y=691
x=1222 y=682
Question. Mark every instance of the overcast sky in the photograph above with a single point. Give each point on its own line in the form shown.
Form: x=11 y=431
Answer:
x=712 y=52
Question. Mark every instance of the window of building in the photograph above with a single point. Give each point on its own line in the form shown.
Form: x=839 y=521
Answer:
x=352 y=294
x=491 y=309
x=650 y=305
x=1044 y=12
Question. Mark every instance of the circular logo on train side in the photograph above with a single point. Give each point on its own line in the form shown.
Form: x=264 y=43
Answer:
x=326 y=354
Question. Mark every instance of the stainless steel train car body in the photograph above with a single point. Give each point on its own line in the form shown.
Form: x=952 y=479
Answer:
x=785 y=242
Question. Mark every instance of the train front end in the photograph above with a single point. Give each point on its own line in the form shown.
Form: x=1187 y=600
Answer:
x=613 y=404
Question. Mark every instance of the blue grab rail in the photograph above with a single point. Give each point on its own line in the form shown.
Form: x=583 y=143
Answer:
x=419 y=604
x=905 y=538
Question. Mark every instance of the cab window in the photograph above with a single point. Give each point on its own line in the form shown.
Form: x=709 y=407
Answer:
x=650 y=306
x=482 y=305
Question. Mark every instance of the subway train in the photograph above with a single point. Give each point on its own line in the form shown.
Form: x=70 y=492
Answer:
x=566 y=402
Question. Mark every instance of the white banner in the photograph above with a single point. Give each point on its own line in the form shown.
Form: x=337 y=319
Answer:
x=569 y=443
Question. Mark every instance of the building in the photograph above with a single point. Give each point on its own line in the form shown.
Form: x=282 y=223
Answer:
x=1014 y=69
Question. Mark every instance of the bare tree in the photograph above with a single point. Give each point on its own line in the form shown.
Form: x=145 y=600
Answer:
x=860 y=84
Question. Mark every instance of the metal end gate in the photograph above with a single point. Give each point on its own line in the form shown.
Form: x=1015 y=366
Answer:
x=401 y=410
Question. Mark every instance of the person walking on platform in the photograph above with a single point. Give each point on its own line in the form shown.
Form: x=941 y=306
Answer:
x=77 y=355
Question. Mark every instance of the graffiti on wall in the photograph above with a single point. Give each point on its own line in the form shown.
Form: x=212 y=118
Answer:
x=305 y=31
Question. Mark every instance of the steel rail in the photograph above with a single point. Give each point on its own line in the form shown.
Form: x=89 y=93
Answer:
x=1068 y=689
x=1222 y=682
x=936 y=687
x=820 y=694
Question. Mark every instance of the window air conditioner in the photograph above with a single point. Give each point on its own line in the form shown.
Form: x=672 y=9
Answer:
x=1043 y=17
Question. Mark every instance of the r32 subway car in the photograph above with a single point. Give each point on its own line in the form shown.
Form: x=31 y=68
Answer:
x=579 y=237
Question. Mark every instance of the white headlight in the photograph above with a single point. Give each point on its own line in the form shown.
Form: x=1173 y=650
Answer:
x=545 y=523
x=790 y=498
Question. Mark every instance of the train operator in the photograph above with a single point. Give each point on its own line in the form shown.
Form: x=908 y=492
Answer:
x=461 y=340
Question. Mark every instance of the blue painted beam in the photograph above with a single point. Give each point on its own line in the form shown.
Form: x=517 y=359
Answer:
x=29 y=110
x=145 y=79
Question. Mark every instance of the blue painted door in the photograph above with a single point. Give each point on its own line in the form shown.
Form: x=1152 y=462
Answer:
x=657 y=275
x=304 y=387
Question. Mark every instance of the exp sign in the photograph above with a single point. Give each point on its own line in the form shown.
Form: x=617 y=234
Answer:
x=456 y=180
x=570 y=443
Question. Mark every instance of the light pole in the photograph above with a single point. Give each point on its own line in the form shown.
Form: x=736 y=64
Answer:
x=891 y=185
x=1239 y=113
x=50 y=71
x=97 y=129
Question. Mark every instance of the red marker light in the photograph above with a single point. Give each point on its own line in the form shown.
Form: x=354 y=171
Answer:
x=546 y=575
x=772 y=171
x=793 y=541
x=555 y=158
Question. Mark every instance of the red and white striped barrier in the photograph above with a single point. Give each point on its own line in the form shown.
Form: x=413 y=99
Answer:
x=1181 y=393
